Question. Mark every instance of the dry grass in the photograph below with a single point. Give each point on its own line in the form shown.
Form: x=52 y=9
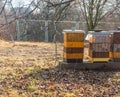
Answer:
x=28 y=69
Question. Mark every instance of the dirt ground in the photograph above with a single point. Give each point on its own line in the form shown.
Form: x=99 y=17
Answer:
x=29 y=70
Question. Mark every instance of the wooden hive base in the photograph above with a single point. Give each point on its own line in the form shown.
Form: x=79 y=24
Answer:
x=98 y=60
x=115 y=59
x=73 y=60
x=90 y=66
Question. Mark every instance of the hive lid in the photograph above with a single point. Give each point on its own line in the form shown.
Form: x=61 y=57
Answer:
x=97 y=30
x=99 y=33
x=114 y=31
x=73 y=31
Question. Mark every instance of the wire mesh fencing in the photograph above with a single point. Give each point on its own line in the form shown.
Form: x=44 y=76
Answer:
x=50 y=31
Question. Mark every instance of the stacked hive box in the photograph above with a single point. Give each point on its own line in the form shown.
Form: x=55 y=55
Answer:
x=99 y=47
x=115 y=46
x=73 y=46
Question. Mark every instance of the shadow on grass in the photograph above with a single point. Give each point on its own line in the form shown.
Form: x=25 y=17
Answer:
x=67 y=76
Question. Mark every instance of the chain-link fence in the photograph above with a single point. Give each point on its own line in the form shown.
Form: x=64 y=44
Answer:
x=51 y=31
x=45 y=30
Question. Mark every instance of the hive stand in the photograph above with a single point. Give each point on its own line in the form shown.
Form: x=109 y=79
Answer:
x=90 y=66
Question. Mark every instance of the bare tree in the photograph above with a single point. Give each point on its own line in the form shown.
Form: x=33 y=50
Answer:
x=92 y=11
x=95 y=10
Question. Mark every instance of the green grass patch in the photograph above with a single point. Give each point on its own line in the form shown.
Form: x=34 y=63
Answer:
x=32 y=88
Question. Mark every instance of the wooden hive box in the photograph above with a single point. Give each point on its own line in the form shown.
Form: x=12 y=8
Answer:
x=115 y=46
x=73 y=46
x=99 y=47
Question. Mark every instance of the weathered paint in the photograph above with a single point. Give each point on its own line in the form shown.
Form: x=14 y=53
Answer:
x=98 y=59
x=74 y=37
x=73 y=50
x=73 y=56
x=74 y=44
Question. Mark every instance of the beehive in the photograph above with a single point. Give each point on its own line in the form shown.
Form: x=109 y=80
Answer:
x=115 y=47
x=73 y=46
x=99 y=47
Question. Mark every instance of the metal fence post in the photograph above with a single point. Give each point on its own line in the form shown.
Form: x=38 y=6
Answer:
x=18 y=30
x=46 y=31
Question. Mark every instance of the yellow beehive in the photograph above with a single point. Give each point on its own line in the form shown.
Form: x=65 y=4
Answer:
x=73 y=46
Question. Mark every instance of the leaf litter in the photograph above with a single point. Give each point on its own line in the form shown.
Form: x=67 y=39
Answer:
x=28 y=70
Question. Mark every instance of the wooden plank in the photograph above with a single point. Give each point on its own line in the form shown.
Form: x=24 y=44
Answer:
x=100 y=39
x=74 y=37
x=111 y=54
x=116 y=38
x=100 y=47
x=116 y=59
x=98 y=59
x=116 y=54
x=115 y=48
x=73 y=56
x=73 y=60
x=73 y=50
x=98 y=54
x=74 y=44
